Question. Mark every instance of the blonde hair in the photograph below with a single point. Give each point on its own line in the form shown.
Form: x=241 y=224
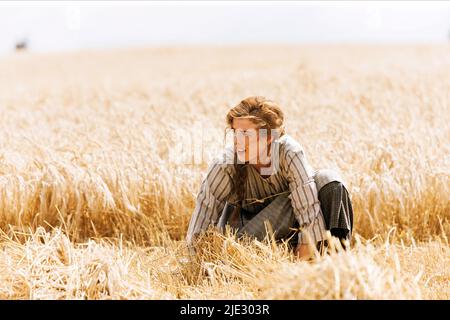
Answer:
x=266 y=114
x=263 y=112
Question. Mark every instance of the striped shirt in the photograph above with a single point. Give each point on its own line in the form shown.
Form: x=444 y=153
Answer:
x=291 y=172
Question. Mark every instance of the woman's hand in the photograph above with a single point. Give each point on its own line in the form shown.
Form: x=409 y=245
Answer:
x=303 y=252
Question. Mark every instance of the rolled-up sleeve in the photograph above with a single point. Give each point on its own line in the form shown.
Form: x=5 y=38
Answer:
x=304 y=197
x=210 y=200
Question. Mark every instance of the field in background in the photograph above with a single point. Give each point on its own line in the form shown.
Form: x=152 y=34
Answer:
x=93 y=203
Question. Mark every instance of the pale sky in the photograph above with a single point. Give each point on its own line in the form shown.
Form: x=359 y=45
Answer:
x=53 y=26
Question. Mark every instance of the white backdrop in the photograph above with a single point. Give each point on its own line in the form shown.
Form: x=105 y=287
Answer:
x=76 y=25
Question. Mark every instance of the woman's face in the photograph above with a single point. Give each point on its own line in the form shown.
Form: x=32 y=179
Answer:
x=250 y=143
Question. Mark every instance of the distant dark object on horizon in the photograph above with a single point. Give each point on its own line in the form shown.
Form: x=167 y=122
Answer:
x=21 y=45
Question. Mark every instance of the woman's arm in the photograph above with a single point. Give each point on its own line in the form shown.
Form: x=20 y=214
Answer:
x=304 y=198
x=210 y=200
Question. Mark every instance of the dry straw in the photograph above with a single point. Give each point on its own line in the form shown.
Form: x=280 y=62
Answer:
x=92 y=208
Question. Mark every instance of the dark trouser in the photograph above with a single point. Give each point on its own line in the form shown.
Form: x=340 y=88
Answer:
x=338 y=212
x=337 y=207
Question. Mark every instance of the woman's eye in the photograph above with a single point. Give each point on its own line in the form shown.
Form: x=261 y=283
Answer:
x=247 y=133
x=251 y=133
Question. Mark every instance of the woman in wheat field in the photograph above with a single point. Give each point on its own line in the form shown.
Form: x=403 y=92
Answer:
x=264 y=179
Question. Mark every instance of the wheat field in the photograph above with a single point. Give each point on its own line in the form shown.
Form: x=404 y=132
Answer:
x=95 y=202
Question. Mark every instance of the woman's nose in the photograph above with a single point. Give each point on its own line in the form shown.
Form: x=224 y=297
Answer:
x=241 y=141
